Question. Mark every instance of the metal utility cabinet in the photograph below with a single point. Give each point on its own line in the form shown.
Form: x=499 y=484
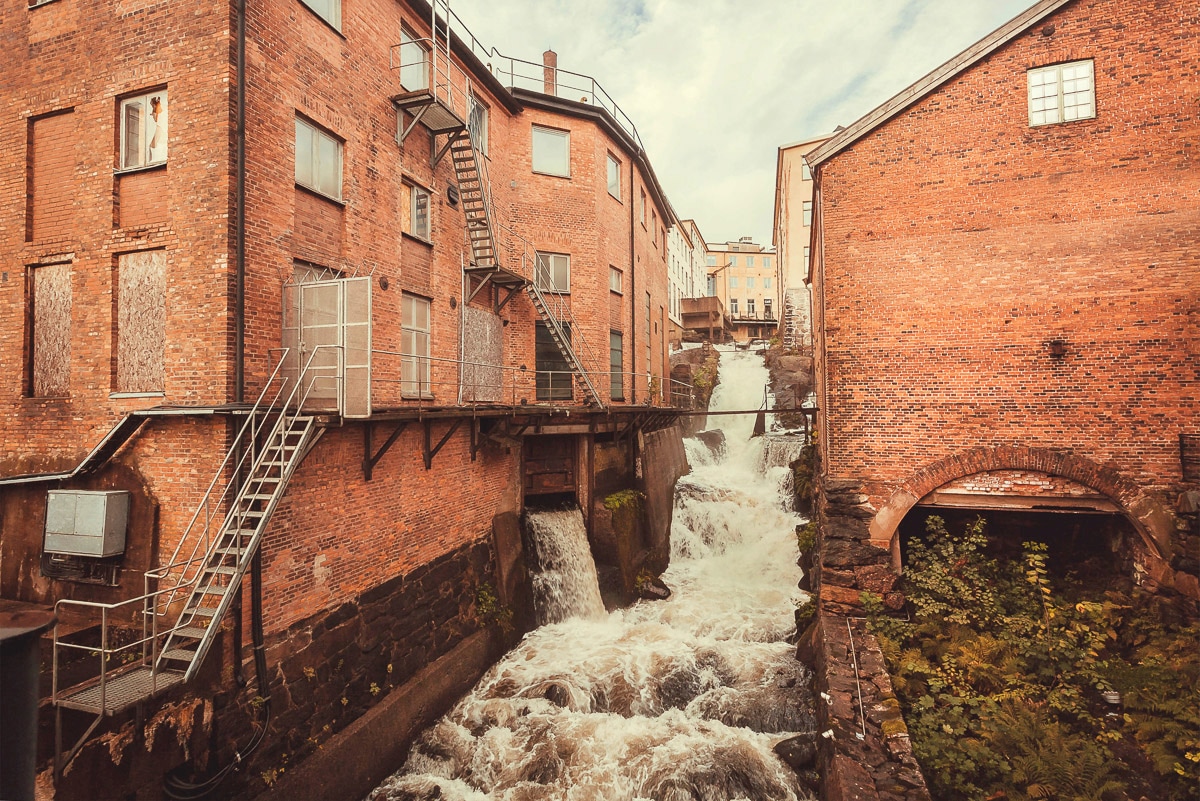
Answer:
x=86 y=522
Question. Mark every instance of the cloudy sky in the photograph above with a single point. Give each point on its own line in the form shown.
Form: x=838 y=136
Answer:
x=716 y=86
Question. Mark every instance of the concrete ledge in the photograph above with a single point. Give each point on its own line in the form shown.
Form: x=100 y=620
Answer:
x=355 y=760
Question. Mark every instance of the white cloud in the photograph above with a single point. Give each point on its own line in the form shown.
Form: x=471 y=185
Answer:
x=715 y=86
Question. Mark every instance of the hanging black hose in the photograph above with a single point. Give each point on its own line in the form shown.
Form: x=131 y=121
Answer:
x=176 y=787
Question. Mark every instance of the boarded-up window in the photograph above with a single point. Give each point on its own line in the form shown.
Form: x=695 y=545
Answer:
x=50 y=330
x=141 y=321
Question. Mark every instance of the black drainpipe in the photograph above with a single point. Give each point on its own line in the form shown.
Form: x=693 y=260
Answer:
x=632 y=292
x=239 y=294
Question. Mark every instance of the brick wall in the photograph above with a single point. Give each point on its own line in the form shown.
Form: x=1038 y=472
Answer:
x=958 y=243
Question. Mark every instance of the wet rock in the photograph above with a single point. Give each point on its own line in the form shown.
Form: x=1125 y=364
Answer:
x=654 y=590
x=677 y=688
x=557 y=695
x=714 y=440
x=878 y=579
x=799 y=752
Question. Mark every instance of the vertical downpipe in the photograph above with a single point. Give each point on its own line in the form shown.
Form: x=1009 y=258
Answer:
x=239 y=296
x=632 y=293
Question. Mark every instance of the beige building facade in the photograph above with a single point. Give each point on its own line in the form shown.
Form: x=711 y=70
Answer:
x=745 y=276
x=791 y=237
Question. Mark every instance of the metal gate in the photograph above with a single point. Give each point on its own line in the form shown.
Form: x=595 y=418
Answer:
x=327 y=331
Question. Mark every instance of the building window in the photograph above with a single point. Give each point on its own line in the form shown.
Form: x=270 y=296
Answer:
x=767 y=313
x=766 y=283
x=712 y=286
x=553 y=272
x=551 y=152
x=318 y=160
x=733 y=306
x=733 y=282
x=615 y=279
x=144 y=130
x=418 y=212
x=49 y=331
x=733 y=261
x=141 y=324
x=807 y=213
x=1062 y=93
x=807 y=253
x=477 y=125
x=614 y=177
x=750 y=307
x=711 y=261
x=616 y=365
x=750 y=282
x=749 y=261
x=554 y=380
x=767 y=261
x=805 y=171
x=654 y=227
x=642 y=208
x=328 y=10
x=414 y=62
x=414 y=347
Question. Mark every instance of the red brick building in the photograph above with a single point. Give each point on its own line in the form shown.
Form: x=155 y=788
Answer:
x=1006 y=296
x=210 y=206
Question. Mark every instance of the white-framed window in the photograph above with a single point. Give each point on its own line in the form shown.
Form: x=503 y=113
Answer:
x=733 y=282
x=654 y=227
x=477 y=124
x=733 y=261
x=553 y=272
x=767 y=314
x=318 y=160
x=328 y=10
x=642 y=208
x=616 y=365
x=733 y=306
x=807 y=213
x=614 y=176
x=414 y=62
x=807 y=254
x=1062 y=93
x=417 y=223
x=414 y=345
x=710 y=261
x=749 y=261
x=766 y=261
x=766 y=283
x=711 y=288
x=551 y=151
x=615 y=280
x=805 y=171
x=749 y=282
x=144 y=130
x=750 y=307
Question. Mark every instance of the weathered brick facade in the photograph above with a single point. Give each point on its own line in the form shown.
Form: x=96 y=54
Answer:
x=992 y=295
x=337 y=536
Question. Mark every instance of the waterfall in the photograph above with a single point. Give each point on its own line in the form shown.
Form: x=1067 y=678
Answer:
x=666 y=700
x=565 y=584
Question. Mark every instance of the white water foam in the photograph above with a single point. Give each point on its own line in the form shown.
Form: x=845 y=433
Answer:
x=670 y=700
x=566 y=585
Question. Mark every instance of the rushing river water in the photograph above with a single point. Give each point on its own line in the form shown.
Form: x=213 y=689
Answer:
x=667 y=700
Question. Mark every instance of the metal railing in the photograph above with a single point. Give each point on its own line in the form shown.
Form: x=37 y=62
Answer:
x=181 y=574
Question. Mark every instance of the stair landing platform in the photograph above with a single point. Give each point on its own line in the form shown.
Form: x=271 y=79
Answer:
x=121 y=691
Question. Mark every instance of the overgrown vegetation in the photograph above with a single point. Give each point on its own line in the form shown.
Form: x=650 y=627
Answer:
x=623 y=498
x=490 y=610
x=804 y=478
x=704 y=379
x=1002 y=674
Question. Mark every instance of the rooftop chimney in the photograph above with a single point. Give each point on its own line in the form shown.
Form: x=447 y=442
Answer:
x=549 y=71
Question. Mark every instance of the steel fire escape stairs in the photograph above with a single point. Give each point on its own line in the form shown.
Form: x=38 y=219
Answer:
x=194 y=590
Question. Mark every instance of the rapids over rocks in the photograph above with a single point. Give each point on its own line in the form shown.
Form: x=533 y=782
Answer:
x=672 y=700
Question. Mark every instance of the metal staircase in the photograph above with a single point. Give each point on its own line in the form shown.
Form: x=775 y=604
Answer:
x=475 y=196
x=193 y=591
x=558 y=325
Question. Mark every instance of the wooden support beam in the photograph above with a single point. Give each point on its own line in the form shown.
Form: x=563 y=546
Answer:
x=481 y=285
x=450 y=140
x=416 y=118
x=432 y=450
x=369 y=460
x=515 y=289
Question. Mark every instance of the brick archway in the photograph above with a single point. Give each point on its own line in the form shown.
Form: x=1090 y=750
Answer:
x=1152 y=521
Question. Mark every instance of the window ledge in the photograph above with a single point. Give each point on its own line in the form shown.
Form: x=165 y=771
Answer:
x=326 y=22
x=552 y=174
x=420 y=239
x=162 y=165
x=616 y=292
x=121 y=395
x=40 y=3
x=427 y=397
x=318 y=193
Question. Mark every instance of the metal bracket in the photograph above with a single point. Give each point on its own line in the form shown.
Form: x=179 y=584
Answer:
x=477 y=289
x=416 y=118
x=369 y=460
x=516 y=288
x=450 y=140
x=432 y=450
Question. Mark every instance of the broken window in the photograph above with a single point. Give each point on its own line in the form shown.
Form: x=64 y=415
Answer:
x=144 y=130
x=417 y=223
x=141 y=321
x=318 y=160
x=414 y=345
x=49 y=348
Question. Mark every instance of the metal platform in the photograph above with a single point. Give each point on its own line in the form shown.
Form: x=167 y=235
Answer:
x=433 y=113
x=121 y=691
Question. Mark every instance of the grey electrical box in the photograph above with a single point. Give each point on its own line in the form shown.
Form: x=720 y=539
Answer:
x=86 y=522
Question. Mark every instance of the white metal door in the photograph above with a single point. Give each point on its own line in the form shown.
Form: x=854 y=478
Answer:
x=327 y=331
